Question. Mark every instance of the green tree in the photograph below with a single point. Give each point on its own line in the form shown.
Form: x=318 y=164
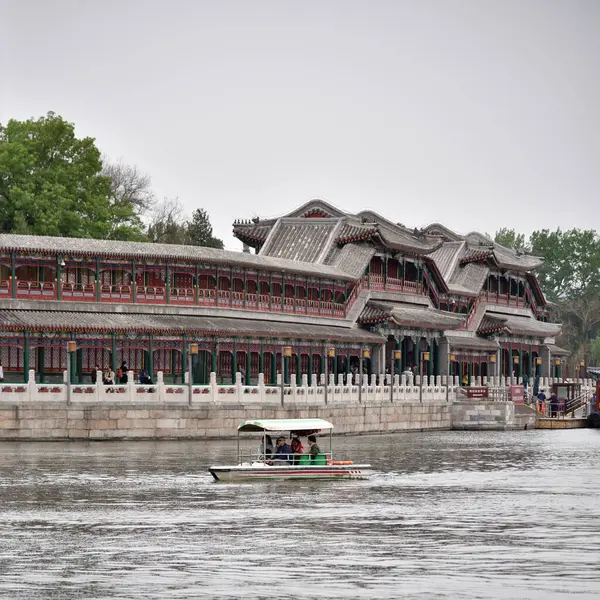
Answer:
x=168 y=225
x=51 y=183
x=200 y=231
x=595 y=351
x=510 y=239
x=571 y=267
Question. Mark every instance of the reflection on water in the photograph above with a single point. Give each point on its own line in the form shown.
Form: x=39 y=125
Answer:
x=446 y=515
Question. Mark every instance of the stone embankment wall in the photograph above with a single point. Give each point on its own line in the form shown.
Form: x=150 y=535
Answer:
x=97 y=422
x=480 y=415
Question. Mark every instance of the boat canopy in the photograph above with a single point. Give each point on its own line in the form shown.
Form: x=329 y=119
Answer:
x=285 y=425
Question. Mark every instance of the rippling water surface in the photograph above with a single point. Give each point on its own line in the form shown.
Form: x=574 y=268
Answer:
x=446 y=515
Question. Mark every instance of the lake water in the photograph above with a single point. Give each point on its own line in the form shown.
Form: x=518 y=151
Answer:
x=446 y=515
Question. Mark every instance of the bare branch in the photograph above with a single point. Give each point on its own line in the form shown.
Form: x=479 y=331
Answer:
x=129 y=184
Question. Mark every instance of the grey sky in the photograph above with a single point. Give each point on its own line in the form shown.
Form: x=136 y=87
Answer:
x=476 y=114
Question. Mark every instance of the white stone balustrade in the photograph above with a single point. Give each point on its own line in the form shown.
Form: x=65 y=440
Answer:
x=375 y=389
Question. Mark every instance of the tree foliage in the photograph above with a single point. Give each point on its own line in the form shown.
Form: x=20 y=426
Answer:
x=51 y=183
x=570 y=277
x=168 y=224
x=595 y=350
x=54 y=183
x=129 y=186
x=510 y=239
x=571 y=262
x=200 y=231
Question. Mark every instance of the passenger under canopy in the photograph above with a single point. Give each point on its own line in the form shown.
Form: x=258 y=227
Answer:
x=295 y=425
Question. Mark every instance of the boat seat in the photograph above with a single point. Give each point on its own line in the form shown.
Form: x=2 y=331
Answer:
x=305 y=459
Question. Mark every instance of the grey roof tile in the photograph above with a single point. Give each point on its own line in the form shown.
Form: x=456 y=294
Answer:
x=410 y=315
x=429 y=318
x=557 y=350
x=299 y=239
x=509 y=259
x=354 y=258
x=468 y=279
x=446 y=257
x=117 y=249
x=472 y=343
x=490 y=324
x=176 y=324
x=526 y=325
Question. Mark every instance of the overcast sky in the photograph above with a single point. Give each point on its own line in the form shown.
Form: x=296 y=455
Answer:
x=477 y=114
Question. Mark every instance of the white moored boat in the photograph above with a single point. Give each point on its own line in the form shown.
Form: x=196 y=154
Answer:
x=258 y=464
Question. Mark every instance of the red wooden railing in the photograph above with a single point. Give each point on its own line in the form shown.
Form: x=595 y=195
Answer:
x=115 y=293
x=181 y=296
x=78 y=292
x=150 y=295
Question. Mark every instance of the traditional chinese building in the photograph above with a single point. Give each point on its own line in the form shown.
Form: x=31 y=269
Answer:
x=319 y=278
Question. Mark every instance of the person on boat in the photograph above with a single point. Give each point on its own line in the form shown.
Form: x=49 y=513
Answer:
x=283 y=452
x=314 y=449
x=266 y=447
x=296 y=446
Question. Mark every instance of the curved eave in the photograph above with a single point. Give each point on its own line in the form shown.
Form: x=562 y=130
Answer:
x=21 y=328
x=366 y=236
x=476 y=257
x=374 y=320
x=426 y=325
x=492 y=330
x=533 y=264
x=407 y=247
x=249 y=238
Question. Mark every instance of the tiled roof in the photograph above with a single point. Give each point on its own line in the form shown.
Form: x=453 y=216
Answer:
x=438 y=230
x=472 y=343
x=252 y=233
x=526 y=325
x=299 y=239
x=446 y=256
x=410 y=315
x=490 y=324
x=316 y=206
x=468 y=279
x=374 y=313
x=557 y=350
x=428 y=318
x=33 y=320
x=397 y=236
x=126 y=250
x=476 y=254
x=509 y=259
x=353 y=258
x=352 y=231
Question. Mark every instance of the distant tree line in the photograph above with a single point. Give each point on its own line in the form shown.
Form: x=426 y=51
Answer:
x=570 y=277
x=53 y=183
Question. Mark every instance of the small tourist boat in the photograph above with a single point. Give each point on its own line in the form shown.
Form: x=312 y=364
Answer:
x=258 y=465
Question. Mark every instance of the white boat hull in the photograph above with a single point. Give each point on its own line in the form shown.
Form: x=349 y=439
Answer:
x=260 y=471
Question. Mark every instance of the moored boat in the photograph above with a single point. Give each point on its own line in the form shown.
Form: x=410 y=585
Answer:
x=260 y=465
